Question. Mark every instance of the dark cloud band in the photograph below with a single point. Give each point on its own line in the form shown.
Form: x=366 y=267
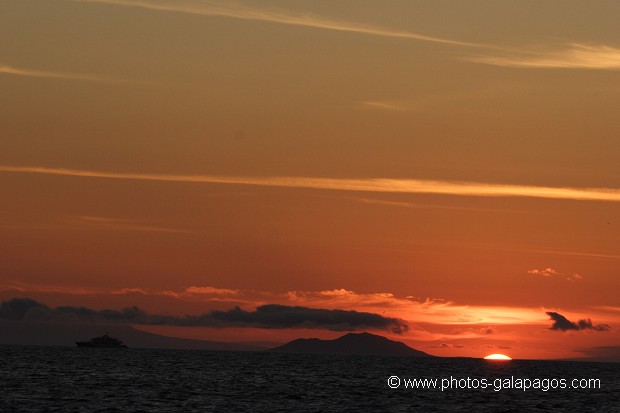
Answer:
x=265 y=316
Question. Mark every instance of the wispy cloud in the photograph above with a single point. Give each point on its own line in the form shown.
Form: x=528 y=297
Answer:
x=96 y=223
x=571 y=56
x=403 y=204
x=69 y=290
x=550 y=272
x=107 y=223
x=392 y=105
x=17 y=71
x=540 y=250
x=193 y=293
x=411 y=186
x=245 y=12
x=212 y=291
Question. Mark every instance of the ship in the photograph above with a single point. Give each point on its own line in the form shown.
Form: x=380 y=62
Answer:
x=104 y=341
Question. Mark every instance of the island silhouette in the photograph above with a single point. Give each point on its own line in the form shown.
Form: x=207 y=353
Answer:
x=351 y=343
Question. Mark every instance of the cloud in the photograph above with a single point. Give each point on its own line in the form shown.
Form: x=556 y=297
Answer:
x=563 y=324
x=547 y=272
x=70 y=290
x=244 y=12
x=465 y=320
x=211 y=294
x=107 y=223
x=16 y=71
x=572 y=56
x=212 y=290
x=392 y=105
x=593 y=255
x=343 y=297
x=403 y=204
x=550 y=272
x=431 y=311
x=124 y=291
x=98 y=223
x=608 y=308
x=469 y=332
x=446 y=345
x=44 y=288
x=426 y=310
x=265 y=316
x=281 y=316
x=411 y=186
x=18 y=308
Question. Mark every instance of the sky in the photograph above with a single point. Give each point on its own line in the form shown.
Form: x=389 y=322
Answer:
x=443 y=173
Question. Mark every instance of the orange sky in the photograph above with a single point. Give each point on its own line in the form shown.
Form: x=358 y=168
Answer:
x=449 y=164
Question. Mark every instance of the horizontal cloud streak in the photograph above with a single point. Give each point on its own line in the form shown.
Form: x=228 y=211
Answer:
x=392 y=105
x=282 y=316
x=411 y=186
x=573 y=56
x=237 y=11
x=114 y=224
x=10 y=70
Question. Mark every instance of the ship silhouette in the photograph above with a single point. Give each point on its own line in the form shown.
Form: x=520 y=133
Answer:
x=104 y=341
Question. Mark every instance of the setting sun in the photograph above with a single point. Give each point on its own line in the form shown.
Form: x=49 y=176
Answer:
x=497 y=357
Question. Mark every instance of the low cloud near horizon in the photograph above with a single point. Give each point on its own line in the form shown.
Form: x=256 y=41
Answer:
x=271 y=316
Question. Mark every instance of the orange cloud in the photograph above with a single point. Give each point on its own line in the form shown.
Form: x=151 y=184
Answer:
x=245 y=12
x=392 y=105
x=212 y=291
x=72 y=290
x=17 y=71
x=411 y=186
x=107 y=223
x=572 y=56
x=550 y=272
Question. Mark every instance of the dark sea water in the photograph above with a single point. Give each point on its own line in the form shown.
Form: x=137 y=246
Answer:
x=66 y=379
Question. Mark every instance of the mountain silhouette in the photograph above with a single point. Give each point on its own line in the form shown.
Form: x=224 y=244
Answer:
x=352 y=343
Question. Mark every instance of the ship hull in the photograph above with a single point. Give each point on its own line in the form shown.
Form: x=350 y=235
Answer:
x=91 y=345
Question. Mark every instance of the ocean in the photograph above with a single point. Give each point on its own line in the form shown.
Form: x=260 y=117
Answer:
x=67 y=379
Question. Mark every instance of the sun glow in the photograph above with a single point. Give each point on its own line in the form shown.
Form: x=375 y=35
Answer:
x=497 y=357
